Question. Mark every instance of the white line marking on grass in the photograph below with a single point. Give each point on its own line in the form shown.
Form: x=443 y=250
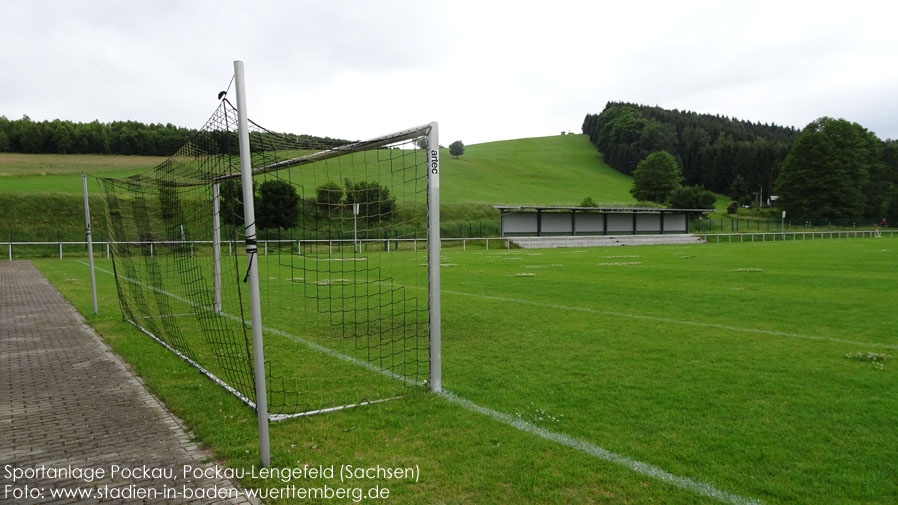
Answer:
x=672 y=321
x=519 y=424
x=603 y=454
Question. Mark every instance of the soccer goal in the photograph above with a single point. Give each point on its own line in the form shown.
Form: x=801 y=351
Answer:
x=312 y=260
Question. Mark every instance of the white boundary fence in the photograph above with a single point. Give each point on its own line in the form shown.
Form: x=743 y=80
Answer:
x=390 y=244
x=793 y=235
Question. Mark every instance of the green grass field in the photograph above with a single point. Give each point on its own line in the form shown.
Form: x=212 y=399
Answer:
x=61 y=173
x=670 y=374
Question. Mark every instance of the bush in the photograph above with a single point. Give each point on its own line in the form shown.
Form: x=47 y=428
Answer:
x=329 y=197
x=731 y=208
x=231 y=196
x=457 y=148
x=692 y=197
x=278 y=205
x=588 y=202
x=375 y=201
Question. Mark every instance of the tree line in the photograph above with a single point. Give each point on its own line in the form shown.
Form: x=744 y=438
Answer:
x=120 y=137
x=67 y=137
x=833 y=168
x=711 y=150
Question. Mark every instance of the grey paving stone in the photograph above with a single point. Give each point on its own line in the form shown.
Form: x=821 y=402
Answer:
x=67 y=399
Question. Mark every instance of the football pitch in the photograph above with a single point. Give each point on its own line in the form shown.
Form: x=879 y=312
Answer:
x=717 y=373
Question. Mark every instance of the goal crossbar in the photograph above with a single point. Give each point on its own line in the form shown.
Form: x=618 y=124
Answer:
x=354 y=147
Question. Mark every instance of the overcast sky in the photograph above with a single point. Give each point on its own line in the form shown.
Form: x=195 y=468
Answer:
x=484 y=70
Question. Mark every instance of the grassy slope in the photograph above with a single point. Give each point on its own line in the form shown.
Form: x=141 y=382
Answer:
x=547 y=170
x=559 y=170
x=60 y=173
x=40 y=195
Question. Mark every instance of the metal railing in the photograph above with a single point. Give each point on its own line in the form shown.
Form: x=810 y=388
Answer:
x=793 y=235
x=298 y=246
x=394 y=244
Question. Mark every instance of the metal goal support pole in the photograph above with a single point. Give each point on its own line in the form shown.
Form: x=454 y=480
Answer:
x=355 y=227
x=90 y=244
x=246 y=175
x=216 y=246
x=433 y=256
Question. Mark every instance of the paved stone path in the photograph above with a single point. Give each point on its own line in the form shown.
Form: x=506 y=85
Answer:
x=67 y=401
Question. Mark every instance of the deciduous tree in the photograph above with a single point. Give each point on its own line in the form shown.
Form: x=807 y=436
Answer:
x=457 y=148
x=278 y=205
x=656 y=177
x=827 y=172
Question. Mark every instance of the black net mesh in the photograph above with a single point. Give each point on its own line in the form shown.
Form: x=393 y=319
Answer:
x=342 y=256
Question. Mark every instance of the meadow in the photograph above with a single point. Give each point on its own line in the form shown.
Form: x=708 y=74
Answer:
x=61 y=173
x=511 y=169
x=41 y=197
x=736 y=373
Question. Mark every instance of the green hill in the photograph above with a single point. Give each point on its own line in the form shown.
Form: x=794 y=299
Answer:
x=61 y=173
x=558 y=170
x=40 y=194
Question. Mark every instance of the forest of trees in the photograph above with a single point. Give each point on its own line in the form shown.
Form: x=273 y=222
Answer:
x=66 y=137
x=118 y=137
x=839 y=169
x=710 y=150
x=836 y=178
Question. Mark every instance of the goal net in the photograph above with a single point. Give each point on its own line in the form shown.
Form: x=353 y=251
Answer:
x=342 y=255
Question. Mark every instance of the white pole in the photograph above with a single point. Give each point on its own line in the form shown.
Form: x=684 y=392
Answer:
x=783 y=225
x=90 y=244
x=355 y=226
x=216 y=245
x=249 y=217
x=433 y=256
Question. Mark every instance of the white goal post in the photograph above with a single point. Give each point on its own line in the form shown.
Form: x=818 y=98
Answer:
x=347 y=302
x=429 y=131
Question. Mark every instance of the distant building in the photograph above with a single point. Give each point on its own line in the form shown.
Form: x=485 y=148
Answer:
x=571 y=221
